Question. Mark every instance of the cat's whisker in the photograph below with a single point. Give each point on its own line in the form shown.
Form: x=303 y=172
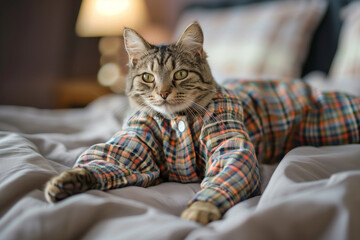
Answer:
x=143 y=109
x=204 y=111
x=188 y=109
x=192 y=112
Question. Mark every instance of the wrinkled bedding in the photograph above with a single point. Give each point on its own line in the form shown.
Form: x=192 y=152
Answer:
x=314 y=193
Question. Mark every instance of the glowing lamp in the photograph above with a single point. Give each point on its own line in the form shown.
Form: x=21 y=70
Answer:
x=107 y=19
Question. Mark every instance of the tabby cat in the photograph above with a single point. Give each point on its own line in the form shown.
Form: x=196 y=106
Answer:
x=157 y=82
x=190 y=129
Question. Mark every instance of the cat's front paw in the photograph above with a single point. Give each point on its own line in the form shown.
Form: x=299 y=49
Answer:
x=68 y=183
x=201 y=212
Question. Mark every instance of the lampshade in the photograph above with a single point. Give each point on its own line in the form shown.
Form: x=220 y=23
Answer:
x=109 y=17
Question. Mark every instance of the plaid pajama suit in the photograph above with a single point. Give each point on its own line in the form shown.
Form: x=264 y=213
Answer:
x=253 y=122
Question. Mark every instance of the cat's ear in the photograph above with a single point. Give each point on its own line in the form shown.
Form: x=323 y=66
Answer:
x=135 y=45
x=192 y=40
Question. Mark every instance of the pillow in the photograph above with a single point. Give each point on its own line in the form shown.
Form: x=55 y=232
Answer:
x=346 y=64
x=258 y=40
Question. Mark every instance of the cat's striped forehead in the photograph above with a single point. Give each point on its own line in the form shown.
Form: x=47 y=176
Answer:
x=163 y=57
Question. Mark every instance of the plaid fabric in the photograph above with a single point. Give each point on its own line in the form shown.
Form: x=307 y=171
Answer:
x=255 y=121
x=264 y=39
x=346 y=65
x=281 y=115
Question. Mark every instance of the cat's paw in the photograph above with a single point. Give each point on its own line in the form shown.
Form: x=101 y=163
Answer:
x=68 y=183
x=201 y=212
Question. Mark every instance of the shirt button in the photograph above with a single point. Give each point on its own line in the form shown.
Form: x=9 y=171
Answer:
x=181 y=126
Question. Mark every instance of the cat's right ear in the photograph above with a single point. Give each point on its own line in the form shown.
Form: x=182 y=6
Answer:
x=135 y=45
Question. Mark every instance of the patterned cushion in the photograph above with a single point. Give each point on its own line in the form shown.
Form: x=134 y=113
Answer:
x=258 y=40
x=346 y=64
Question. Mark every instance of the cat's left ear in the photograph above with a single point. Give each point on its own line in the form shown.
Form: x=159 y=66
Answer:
x=135 y=45
x=192 y=39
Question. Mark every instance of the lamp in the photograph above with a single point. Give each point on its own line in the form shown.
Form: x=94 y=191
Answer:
x=107 y=19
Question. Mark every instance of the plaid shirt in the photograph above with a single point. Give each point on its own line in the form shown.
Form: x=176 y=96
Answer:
x=255 y=121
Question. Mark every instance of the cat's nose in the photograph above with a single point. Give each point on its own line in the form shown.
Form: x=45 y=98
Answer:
x=164 y=94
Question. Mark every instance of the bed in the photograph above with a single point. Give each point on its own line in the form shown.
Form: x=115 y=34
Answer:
x=313 y=193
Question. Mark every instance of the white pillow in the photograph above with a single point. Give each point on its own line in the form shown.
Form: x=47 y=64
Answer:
x=345 y=69
x=258 y=40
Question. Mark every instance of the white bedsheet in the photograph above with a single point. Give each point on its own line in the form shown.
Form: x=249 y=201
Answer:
x=314 y=193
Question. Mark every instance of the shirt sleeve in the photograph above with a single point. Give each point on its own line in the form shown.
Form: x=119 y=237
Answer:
x=128 y=158
x=232 y=172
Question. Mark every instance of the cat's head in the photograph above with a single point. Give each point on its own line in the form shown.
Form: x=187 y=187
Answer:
x=168 y=79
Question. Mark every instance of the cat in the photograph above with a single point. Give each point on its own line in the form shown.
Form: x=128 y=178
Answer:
x=190 y=129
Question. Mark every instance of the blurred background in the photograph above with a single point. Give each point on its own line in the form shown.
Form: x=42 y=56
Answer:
x=43 y=61
x=66 y=53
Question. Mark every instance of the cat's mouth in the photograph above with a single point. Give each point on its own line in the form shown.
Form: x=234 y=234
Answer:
x=168 y=108
x=165 y=103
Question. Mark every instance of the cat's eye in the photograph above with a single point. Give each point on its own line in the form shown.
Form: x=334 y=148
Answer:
x=179 y=75
x=147 y=77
